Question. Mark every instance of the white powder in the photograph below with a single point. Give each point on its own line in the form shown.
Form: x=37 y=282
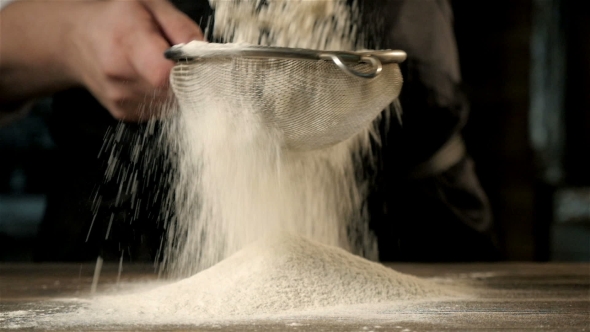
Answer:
x=324 y=25
x=235 y=183
x=206 y=49
x=279 y=276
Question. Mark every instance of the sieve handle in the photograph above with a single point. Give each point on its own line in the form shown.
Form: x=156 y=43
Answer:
x=376 y=69
x=182 y=53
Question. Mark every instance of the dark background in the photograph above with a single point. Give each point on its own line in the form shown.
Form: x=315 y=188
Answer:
x=513 y=53
x=526 y=71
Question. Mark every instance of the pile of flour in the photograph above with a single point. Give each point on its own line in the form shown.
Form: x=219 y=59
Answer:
x=278 y=276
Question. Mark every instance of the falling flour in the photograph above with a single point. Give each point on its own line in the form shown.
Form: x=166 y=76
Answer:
x=323 y=25
x=235 y=183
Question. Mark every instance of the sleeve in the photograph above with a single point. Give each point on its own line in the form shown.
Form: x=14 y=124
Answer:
x=430 y=205
x=435 y=108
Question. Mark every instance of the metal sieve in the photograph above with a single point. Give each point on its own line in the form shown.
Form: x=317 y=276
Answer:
x=314 y=98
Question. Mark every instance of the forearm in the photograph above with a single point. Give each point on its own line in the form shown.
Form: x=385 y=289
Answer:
x=33 y=49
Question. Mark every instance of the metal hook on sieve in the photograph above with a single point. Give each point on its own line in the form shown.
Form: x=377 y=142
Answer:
x=342 y=59
x=376 y=69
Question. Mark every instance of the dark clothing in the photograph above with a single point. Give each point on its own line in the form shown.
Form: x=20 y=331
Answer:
x=442 y=216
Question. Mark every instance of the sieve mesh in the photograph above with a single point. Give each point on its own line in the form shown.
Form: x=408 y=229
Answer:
x=314 y=104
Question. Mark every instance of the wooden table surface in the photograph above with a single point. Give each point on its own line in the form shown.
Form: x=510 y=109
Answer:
x=514 y=296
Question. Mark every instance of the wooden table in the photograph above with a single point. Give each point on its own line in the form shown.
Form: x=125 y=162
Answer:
x=514 y=296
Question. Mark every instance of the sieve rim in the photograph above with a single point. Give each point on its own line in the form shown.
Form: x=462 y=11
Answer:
x=177 y=53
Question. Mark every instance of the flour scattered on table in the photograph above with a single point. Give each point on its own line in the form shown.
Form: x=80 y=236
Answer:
x=280 y=276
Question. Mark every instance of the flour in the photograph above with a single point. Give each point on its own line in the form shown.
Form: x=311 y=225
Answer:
x=282 y=275
x=205 y=49
x=235 y=183
x=324 y=25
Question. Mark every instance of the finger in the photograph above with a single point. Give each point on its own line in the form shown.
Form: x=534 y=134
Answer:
x=146 y=51
x=176 y=26
x=140 y=89
x=130 y=100
x=125 y=110
x=131 y=110
x=144 y=95
x=139 y=101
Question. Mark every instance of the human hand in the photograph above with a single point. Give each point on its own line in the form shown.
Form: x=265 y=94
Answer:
x=115 y=49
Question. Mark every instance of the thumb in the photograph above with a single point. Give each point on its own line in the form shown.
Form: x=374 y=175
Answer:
x=176 y=26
